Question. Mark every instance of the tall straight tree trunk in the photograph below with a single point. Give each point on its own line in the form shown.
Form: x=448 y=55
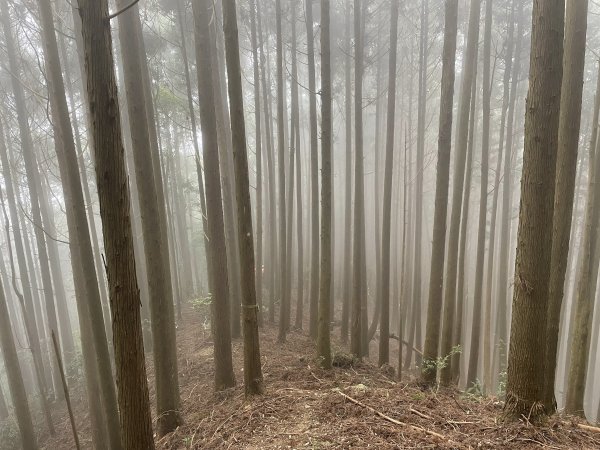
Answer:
x=253 y=379
x=384 y=323
x=566 y=168
x=64 y=322
x=299 y=229
x=483 y=195
x=82 y=168
x=15 y=378
x=462 y=132
x=421 y=117
x=323 y=336
x=270 y=172
x=314 y=174
x=283 y=270
x=155 y=244
x=357 y=321
x=113 y=193
x=227 y=179
x=583 y=303
x=457 y=332
x=508 y=63
x=503 y=260
x=525 y=386
x=291 y=165
x=348 y=179
x=199 y=170
x=220 y=325
x=259 y=175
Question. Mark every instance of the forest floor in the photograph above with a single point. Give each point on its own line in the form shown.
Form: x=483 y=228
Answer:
x=357 y=406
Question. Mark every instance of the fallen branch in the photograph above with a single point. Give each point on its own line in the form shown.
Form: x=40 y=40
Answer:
x=588 y=428
x=394 y=421
x=415 y=349
x=583 y=427
x=420 y=414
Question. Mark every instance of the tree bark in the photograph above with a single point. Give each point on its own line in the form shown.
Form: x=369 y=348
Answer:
x=113 y=193
x=253 y=378
x=348 y=179
x=314 y=174
x=566 y=168
x=525 y=385
x=457 y=189
x=220 y=326
x=483 y=195
x=384 y=323
x=323 y=336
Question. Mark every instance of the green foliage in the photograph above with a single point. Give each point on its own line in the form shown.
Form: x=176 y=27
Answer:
x=201 y=303
x=441 y=362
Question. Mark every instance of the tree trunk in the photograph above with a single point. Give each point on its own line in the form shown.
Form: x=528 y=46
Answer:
x=113 y=193
x=566 y=167
x=503 y=260
x=357 y=320
x=270 y=171
x=259 y=175
x=457 y=332
x=323 y=336
x=348 y=179
x=220 y=325
x=508 y=63
x=253 y=378
x=483 y=194
x=457 y=188
x=532 y=269
x=283 y=270
x=314 y=174
x=155 y=244
x=384 y=323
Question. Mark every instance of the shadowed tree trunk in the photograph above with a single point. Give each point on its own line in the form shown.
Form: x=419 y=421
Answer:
x=220 y=325
x=314 y=174
x=348 y=179
x=199 y=170
x=566 y=167
x=155 y=245
x=501 y=335
x=113 y=193
x=483 y=194
x=487 y=326
x=259 y=176
x=357 y=320
x=462 y=133
x=457 y=332
x=270 y=171
x=253 y=379
x=323 y=336
x=384 y=342
x=284 y=300
x=524 y=394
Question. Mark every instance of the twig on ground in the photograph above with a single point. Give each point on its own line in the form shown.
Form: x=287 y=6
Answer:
x=389 y=419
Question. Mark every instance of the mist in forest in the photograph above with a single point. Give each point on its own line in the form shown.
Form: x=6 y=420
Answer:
x=406 y=184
